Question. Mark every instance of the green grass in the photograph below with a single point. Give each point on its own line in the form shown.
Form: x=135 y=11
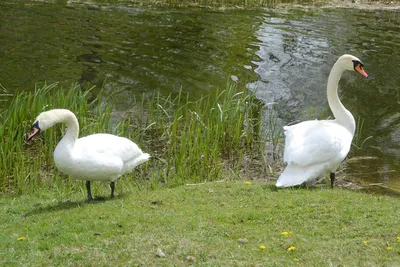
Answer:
x=201 y=225
x=215 y=137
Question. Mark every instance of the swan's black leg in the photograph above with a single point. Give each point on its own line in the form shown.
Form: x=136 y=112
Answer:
x=332 y=179
x=89 y=193
x=112 y=185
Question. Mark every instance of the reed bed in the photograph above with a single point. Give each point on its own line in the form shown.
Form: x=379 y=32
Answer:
x=216 y=137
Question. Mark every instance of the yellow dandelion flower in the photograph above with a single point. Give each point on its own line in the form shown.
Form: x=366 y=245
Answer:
x=262 y=247
x=389 y=248
x=296 y=259
x=366 y=242
x=247 y=182
x=292 y=248
x=290 y=234
x=398 y=239
x=21 y=238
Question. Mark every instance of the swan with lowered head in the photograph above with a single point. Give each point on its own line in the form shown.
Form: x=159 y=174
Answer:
x=315 y=147
x=97 y=157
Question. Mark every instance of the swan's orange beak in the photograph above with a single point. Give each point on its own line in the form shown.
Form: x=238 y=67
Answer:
x=361 y=70
x=34 y=132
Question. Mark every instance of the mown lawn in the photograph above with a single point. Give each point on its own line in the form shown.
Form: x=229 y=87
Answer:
x=213 y=224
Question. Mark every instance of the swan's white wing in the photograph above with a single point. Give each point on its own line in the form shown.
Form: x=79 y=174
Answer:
x=314 y=142
x=102 y=157
x=312 y=148
x=108 y=145
x=295 y=174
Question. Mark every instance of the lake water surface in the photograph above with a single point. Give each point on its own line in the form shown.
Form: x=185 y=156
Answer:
x=285 y=56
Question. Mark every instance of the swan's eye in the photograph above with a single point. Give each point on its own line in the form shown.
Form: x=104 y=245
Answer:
x=357 y=63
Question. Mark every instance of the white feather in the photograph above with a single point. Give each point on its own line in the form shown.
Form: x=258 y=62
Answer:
x=311 y=149
x=99 y=157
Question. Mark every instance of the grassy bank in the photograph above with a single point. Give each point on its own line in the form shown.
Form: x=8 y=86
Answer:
x=213 y=224
x=215 y=137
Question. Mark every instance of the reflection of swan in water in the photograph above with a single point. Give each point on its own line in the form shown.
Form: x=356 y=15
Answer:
x=313 y=148
x=97 y=157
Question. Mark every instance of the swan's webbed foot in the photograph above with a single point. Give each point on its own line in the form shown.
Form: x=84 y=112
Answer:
x=89 y=193
x=112 y=185
x=332 y=179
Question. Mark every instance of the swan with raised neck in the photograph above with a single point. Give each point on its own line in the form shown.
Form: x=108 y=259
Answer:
x=341 y=114
x=313 y=148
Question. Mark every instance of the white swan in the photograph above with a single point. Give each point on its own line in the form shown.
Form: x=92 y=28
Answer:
x=97 y=157
x=313 y=148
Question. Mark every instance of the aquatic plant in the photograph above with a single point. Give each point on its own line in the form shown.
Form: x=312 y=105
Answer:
x=358 y=142
x=190 y=141
x=24 y=167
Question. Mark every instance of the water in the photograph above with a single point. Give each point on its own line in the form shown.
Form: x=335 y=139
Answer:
x=285 y=55
x=135 y=50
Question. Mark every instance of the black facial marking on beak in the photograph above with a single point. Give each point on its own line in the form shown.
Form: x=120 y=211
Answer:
x=356 y=63
x=358 y=66
x=35 y=130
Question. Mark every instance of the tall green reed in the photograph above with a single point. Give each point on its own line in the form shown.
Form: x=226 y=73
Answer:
x=205 y=138
x=358 y=141
x=190 y=141
x=25 y=167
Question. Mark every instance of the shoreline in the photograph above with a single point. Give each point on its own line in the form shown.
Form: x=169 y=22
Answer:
x=358 y=4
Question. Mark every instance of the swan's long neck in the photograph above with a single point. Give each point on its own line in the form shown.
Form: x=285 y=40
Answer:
x=342 y=115
x=68 y=118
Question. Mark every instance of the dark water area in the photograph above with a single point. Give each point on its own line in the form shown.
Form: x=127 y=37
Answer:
x=284 y=56
x=133 y=50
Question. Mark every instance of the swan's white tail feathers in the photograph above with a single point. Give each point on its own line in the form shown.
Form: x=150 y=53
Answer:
x=296 y=175
x=139 y=160
x=129 y=166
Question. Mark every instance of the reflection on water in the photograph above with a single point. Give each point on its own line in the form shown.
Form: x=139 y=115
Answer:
x=297 y=51
x=285 y=55
x=136 y=50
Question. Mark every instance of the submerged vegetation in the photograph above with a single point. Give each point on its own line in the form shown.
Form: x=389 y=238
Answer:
x=189 y=141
